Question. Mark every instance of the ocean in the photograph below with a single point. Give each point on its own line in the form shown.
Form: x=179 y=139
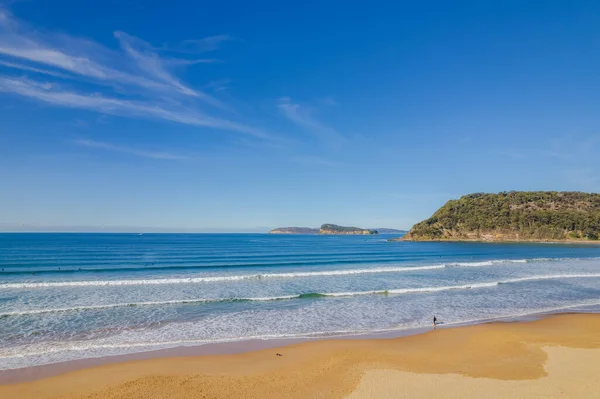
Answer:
x=74 y=296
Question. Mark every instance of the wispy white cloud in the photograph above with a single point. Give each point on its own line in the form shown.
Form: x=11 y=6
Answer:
x=54 y=94
x=5 y=19
x=136 y=82
x=302 y=116
x=23 y=67
x=153 y=66
x=129 y=150
x=218 y=85
x=26 y=46
x=138 y=65
x=175 y=61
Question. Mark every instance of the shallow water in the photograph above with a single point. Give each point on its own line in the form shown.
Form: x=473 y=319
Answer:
x=71 y=296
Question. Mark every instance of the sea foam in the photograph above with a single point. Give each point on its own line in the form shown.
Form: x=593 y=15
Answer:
x=210 y=279
x=310 y=295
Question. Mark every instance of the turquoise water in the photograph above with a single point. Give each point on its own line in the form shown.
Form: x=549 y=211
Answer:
x=72 y=296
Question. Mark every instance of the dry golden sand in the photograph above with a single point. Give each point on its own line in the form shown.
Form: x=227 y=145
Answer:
x=554 y=357
x=572 y=373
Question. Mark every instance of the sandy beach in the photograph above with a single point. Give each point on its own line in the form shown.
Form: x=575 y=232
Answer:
x=558 y=356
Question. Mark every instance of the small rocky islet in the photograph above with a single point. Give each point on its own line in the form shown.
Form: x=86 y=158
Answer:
x=325 y=229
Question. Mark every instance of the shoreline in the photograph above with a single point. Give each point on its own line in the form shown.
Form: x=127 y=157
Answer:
x=503 y=351
x=563 y=242
x=34 y=373
x=37 y=372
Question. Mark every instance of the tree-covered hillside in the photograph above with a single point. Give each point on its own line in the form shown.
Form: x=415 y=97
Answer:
x=335 y=229
x=541 y=215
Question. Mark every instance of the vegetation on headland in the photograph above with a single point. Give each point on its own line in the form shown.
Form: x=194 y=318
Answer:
x=335 y=229
x=383 y=230
x=514 y=216
x=294 y=230
x=326 y=229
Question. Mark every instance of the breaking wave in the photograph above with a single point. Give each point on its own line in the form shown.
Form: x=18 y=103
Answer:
x=309 y=295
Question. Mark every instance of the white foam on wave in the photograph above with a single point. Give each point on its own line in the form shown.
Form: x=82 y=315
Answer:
x=51 y=352
x=492 y=262
x=472 y=264
x=551 y=277
x=257 y=299
x=541 y=311
x=90 y=348
x=323 y=273
x=141 y=304
x=209 y=279
x=398 y=291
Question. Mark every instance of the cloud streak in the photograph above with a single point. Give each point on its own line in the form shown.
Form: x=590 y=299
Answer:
x=33 y=69
x=129 y=150
x=153 y=66
x=303 y=117
x=138 y=65
x=54 y=94
x=140 y=81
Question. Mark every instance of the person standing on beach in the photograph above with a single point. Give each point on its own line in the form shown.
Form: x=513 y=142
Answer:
x=434 y=322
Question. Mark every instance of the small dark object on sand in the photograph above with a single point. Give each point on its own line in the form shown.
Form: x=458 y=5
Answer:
x=279 y=354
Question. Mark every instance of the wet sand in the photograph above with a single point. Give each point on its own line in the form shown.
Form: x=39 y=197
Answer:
x=553 y=357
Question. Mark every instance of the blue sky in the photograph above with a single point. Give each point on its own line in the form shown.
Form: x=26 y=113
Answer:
x=240 y=116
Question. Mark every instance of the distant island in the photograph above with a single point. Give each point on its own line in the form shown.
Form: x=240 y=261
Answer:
x=327 y=229
x=514 y=216
x=382 y=230
x=335 y=229
x=294 y=230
